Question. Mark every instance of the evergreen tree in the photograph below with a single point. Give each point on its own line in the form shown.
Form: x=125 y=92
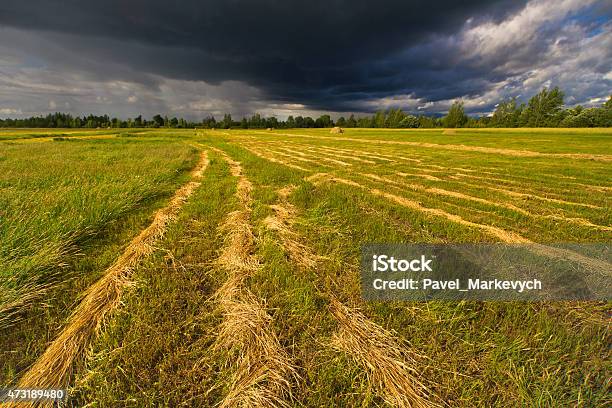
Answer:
x=351 y=122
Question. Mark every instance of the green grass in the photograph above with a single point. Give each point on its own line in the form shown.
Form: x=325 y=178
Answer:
x=54 y=196
x=168 y=323
x=25 y=134
x=40 y=321
x=157 y=349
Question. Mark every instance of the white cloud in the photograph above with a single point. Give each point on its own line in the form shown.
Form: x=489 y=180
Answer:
x=520 y=30
x=10 y=111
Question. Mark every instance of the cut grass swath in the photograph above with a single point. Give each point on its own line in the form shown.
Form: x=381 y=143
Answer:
x=53 y=369
x=264 y=372
x=371 y=347
x=466 y=148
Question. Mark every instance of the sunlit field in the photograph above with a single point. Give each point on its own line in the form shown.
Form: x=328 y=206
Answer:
x=251 y=293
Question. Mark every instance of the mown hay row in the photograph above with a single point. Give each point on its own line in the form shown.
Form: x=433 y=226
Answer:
x=382 y=355
x=480 y=149
x=281 y=222
x=54 y=368
x=317 y=159
x=298 y=158
x=516 y=194
x=447 y=193
x=421 y=175
x=275 y=160
x=327 y=152
x=359 y=153
x=601 y=268
x=376 y=350
x=264 y=373
x=502 y=235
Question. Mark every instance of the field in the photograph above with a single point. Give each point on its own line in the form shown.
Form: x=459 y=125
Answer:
x=165 y=267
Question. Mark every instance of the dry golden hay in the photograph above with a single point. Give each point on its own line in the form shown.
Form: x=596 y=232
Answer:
x=509 y=237
x=264 y=373
x=482 y=149
x=334 y=153
x=269 y=129
x=336 y=130
x=236 y=253
x=443 y=192
x=449 y=132
x=275 y=160
x=375 y=349
x=281 y=222
x=380 y=354
x=319 y=178
x=54 y=368
x=501 y=234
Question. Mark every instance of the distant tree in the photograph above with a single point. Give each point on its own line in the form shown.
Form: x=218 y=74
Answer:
x=309 y=122
x=272 y=122
x=456 y=116
x=158 y=120
x=506 y=114
x=290 y=122
x=351 y=122
x=544 y=109
x=409 y=121
x=366 y=122
x=209 y=122
x=323 y=121
x=379 y=120
x=256 y=122
x=394 y=117
x=589 y=117
x=226 y=123
x=341 y=122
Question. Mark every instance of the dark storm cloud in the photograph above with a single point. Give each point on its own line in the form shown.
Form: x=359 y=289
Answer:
x=288 y=57
x=323 y=54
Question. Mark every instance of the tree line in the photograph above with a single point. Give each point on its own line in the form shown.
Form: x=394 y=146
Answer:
x=546 y=109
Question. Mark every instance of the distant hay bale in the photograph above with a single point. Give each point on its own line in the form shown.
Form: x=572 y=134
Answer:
x=336 y=130
x=269 y=129
x=449 y=132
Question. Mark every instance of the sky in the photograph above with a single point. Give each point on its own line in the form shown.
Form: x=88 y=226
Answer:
x=195 y=58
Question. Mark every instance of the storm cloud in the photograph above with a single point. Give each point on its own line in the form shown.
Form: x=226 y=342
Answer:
x=126 y=57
